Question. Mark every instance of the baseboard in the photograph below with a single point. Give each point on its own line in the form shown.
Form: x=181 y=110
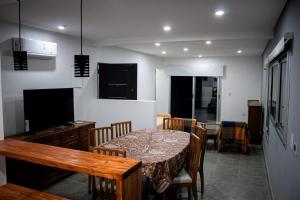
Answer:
x=268 y=175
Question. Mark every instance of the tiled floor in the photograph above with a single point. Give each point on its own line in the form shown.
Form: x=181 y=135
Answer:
x=228 y=176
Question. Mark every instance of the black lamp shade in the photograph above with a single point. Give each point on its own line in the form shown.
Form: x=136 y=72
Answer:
x=82 y=65
x=20 y=60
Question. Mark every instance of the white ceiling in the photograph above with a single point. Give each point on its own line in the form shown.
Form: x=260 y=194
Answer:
x=137 y=24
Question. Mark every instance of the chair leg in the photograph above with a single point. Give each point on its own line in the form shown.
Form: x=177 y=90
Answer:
x=89 y=184
x=215 y=143
x=189 y=193
x=201 y=179
x=195 y=195
x=93 y=187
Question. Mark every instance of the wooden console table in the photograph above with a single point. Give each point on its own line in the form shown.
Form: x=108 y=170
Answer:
x=38 y=176
x=125 y=171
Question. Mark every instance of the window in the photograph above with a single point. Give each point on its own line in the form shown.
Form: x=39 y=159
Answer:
x=278 y=100
x=117 y=81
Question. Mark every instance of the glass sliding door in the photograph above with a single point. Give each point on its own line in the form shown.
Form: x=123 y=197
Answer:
x=206 y=99
x=182 y=96
x=195 y=97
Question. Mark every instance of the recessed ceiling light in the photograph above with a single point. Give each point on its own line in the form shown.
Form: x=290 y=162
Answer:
x=157 y=44
x=167 y=28
x=239 y=51
x=208 y=42
x=219 y=13
x=200 y=56
x=61 y=27
x=185 y=49
x=164 y=52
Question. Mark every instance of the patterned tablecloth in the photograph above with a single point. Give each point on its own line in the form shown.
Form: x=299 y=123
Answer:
x=162 y=153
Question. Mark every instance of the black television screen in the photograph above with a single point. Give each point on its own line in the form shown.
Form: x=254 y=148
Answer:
x=47 y=108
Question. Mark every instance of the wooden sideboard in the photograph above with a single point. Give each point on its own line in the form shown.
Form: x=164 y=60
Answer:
x=255 y=121
x=38 y=176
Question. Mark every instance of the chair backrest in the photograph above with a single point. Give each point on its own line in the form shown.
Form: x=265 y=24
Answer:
x=173 y=124
x=201 y=133
x=189 y=125
x=106 y=186
x=193 y=158
x=121 y=128
x=160 y=118
x=99 y=136
x=109 y=151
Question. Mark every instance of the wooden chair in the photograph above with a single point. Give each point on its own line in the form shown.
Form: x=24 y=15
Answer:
x=201 y=133
x=189 y=125
x=103 y=187
x=188 y=177
x=160 y=118
x=96 y=137
x=173 y=124
x=213 y=130
x=121 y=128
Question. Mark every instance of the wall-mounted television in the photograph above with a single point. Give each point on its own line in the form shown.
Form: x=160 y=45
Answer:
x=47 y=108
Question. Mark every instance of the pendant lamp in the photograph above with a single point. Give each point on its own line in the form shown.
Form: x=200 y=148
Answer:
x=81 y=62
x=20 y=57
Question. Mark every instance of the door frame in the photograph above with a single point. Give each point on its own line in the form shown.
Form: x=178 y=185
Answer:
x=219 y=96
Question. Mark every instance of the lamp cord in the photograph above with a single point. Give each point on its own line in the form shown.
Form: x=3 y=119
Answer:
x=81 y=27
x=20 y=43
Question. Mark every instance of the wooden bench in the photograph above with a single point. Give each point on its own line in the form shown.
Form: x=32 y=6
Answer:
x=16 y=192
x=125 y=171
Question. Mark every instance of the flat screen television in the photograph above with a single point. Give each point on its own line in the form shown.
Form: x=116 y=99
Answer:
x=47 y=108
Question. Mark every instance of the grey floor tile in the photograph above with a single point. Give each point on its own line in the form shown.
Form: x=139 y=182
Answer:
x=228 y=176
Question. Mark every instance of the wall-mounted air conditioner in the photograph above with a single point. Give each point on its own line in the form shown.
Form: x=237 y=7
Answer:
x=36 y=48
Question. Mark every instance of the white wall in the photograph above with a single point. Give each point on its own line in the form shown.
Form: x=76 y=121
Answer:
x=59 y=73
x=241 y=82
x=2 y=159
x=282 y=163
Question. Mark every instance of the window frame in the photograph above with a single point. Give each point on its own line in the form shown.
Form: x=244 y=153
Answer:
x=281 y=130
x=132 y=84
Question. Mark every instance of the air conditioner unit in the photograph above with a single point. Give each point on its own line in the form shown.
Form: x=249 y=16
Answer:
x=36 y=48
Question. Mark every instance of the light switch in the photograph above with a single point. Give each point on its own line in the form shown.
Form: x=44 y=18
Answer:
x=292 y=142
x=296 y=149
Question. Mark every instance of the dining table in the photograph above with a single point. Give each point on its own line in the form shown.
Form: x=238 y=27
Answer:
x=162 y=153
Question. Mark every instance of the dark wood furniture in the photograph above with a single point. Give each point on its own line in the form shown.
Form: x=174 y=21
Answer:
x=37 y=176
x=212 y=132
x=234 y=133
x=173 y=124
x=121 y=128
x=189 y=125
x=103 y=187
x=255 y=121
x=202 y=134
x=188 y=177
x=16 y=192
x=96 y=137
x=125 y=171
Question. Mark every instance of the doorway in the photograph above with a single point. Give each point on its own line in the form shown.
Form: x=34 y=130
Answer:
x=206 y=101
x=182 y=96
x=195 y=97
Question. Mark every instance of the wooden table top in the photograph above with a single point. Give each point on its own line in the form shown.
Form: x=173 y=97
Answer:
x=16 y=192
x=69 y=159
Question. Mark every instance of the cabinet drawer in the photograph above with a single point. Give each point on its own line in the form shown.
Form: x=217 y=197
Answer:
x=70 y=139
x=50 y=140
